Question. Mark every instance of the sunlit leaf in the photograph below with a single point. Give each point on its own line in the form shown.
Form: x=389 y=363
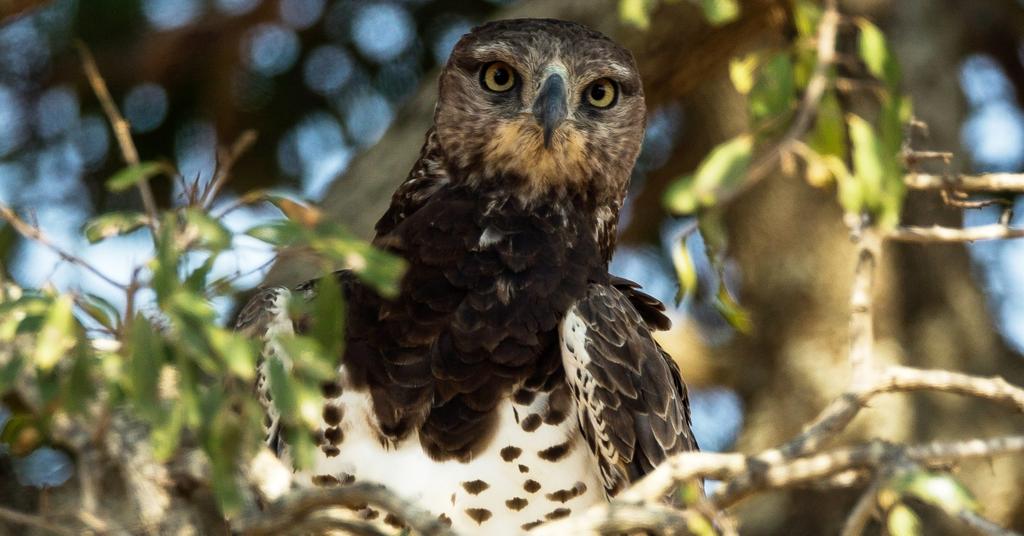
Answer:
x=743 y=72
x=132 y=175
x=720 y=11
x=636 y=12
x=57 y=335
x=876 y=55
x=277 y=233
x=731 y=310
x=686 y=271
x=78 y=386
x=303 y=214
x=902 y=521
x=101 y=310
x=113 y=224
x=210 y=232
x=806 y=16
x=939 y=489
x=166 y=432
x=828 y=137
x=308 y=358
x=329 y=317
x=722 y=169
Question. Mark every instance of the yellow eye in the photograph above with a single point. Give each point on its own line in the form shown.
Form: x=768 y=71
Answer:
x=498 y=76
x=602 y=93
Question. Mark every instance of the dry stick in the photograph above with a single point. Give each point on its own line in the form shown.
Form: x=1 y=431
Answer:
x=122 y=130
x=24 y=229
x=21 y=518
x=991 y=182
x=954 y=235
x=296 y=507
x=982 y=525
x=863 y=511
x=862 y=332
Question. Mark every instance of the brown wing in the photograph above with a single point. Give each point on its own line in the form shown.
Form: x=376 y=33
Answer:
x=632 y=403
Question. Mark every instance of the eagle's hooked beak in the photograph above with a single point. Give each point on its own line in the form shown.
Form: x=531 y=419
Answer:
x=550 y=107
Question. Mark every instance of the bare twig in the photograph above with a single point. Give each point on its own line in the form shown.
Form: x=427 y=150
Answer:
x=298 y=506
x=32 y=233
x=862 y=334
x=122 y=130
x=29 y=520
x=226 y=161
x=991 y=182
x=863 y=511
x=984 y=526
x=953 y=235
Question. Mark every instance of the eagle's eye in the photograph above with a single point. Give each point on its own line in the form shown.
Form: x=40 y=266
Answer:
x=602 y=93
x=497 y=77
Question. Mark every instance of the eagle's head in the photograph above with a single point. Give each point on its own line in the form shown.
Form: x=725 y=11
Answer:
x=539 y=106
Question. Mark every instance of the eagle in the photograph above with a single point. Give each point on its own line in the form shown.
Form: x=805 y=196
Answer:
x=513 y=380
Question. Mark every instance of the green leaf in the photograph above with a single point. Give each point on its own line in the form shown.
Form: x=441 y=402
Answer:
x=939 y=489
x=147 y=356
x=308 y=358
x=57 y=335
x=277 y=233
x=721 y=170
x=829 y=134
x=329 y=317
x=132 y=175
x=731 y=310
x=636 y=12
x=686 y=271
x=902 y=521
x=876 y=172
x=211 y=233
x=720 y=12
x=10 y=368
x=166 y=432
x=806 y=16
x=78 y=387
x=101 y=310
x=876 y=55
x=775 y=90
x=236 y=351
x=113 y=224
x=303 y=214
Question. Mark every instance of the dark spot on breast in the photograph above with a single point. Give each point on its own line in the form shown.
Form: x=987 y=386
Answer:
x=557 y=452
x=331 y=451
x=445 y=519
x=523 y=469
x=531 y=422
x=267 y=421
x=475 y=487
x=368 y=514
x=346 y=478
x=326 y=481
x=478 y=514
x=524 y=397
x=516 y=503
x=318 y=438
x=394 y=521
x=531 y=485
x=531 y=525
x=453 y=499
x=559 y=403
x=564 y=495
x=510 y=453
x=557 y=513
x=332 y=414
x=334 y=435
x=330 y=389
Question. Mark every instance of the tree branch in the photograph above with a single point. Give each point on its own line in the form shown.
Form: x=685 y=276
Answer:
x=29 y=520
x=953 y=235
x=990 y=182
x=122 y=130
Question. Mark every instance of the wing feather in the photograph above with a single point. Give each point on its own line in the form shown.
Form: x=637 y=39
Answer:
x=631 y=400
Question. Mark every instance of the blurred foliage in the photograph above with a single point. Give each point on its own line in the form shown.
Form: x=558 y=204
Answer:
x=717 y=12
x=841 y=148
x=173 y=368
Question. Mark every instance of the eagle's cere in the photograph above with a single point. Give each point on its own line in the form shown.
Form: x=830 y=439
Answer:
x=513 y=380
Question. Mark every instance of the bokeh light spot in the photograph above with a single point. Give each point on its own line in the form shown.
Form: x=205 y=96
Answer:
x=382 y=31
x=170 y=14
x=270 y=49
x=145 y=107
x=327 y=68
x=301 y=14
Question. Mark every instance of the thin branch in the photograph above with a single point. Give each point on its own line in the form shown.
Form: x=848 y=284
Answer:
x=29 y=520
x=991 y=182
x=297 y=507
x=122 y=130
x=953 y=235
x=982 y=525
x=862 y=331
x=36 y=235
x=620 y=518
x=863 y=511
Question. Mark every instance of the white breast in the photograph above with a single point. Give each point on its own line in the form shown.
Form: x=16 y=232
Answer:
x=520 y=479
